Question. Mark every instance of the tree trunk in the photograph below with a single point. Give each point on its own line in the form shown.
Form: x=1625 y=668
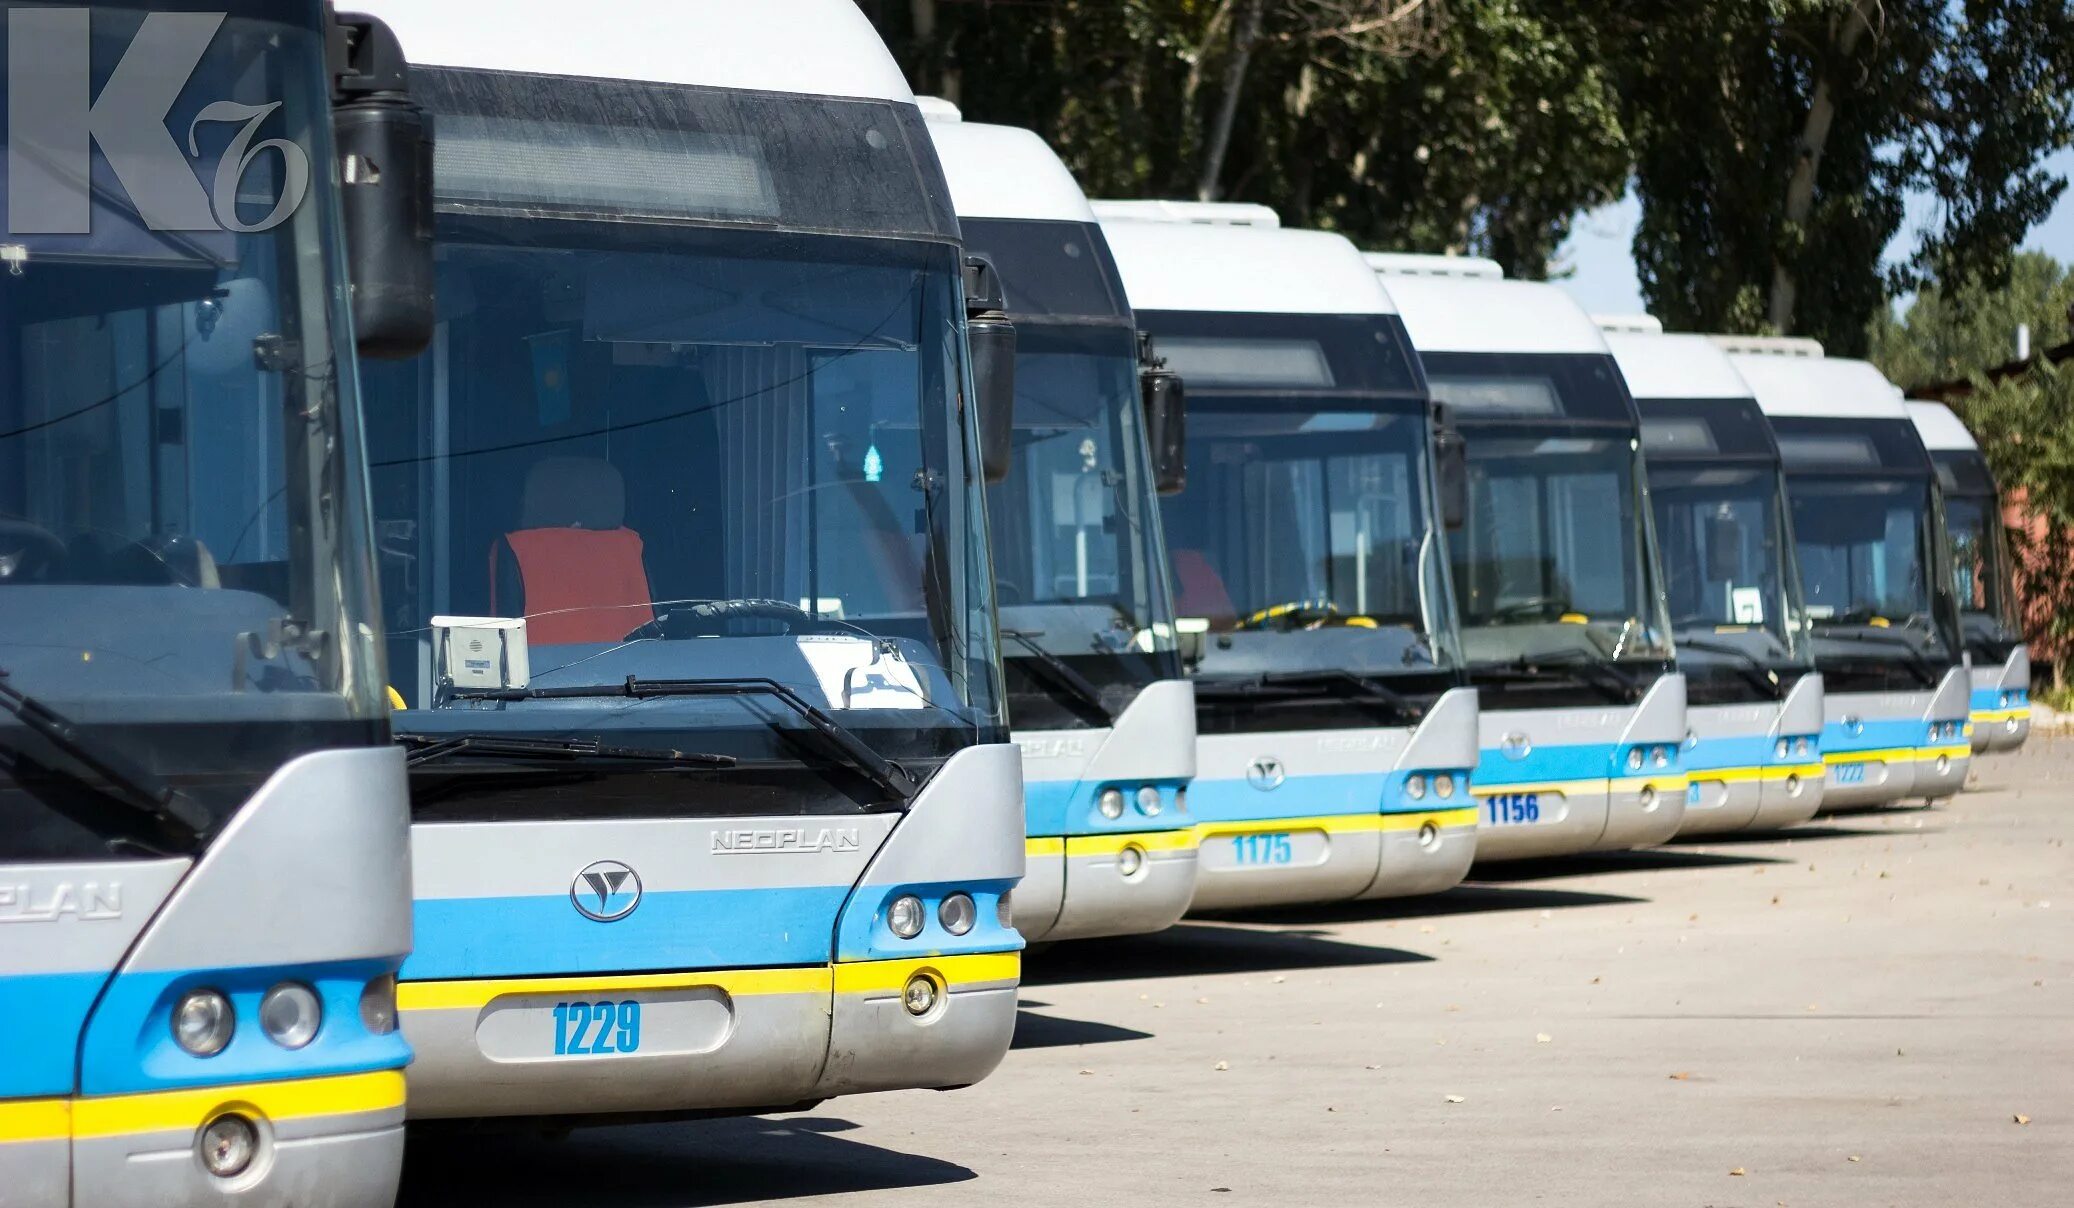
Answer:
x=928 y=51
x=1228 y=105
x=1844 y=33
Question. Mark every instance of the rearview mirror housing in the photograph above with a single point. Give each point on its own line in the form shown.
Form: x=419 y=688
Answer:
x=384 y=144
x=1450 y=468
x=1165 y=401
x=990 y=337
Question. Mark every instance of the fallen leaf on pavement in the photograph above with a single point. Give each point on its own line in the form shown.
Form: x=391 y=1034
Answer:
x=2022 y=1119
x=1221 y=1066
x=1456 y=1099
x=1542 y=1038
x=1738 y=1172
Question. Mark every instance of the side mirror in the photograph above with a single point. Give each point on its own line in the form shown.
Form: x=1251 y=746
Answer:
x=1724 y=549
x=1166 y=419
x=991 y=338
x=1450 y=469
x=385 y=176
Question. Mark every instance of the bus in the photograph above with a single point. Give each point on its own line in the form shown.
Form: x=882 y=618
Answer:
x=1990 y=622
x=684 y=556
x=204 y=878
x=1738 y=623
x=1565 y=627
x=1096 y=693
x=1868 y=531
x=1334 y=733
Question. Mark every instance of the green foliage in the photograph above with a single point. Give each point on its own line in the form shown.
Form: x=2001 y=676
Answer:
x=1948 y=334
x=2025 y=426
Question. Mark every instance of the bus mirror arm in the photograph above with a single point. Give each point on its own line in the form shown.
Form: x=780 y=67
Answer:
x=991 y=338
x=1166 y=418
x=1450 y=468
x=384 y=145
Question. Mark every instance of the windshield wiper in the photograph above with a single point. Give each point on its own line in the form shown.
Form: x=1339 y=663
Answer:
x=1305 y=683
x=856 y=752
x=1754 y=670
x=1579 y=666
x=180 y=820
x=1913 y=657
x=428 y=748
x=1060 y=673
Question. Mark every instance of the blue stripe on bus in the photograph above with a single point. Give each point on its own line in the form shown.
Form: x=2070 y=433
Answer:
x=863 y=935
x=1875 y=734
x=1987 y=700
x=1736 y=751
x=543 y=935
x=1298 y=796
x=1546 y=764
x=129 y=1046
x=43 y=1014
x=1067 y=807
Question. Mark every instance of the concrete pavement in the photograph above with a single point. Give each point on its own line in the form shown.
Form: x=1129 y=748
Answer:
x=1855 y=1012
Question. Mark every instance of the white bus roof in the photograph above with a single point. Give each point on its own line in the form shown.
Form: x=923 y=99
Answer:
x=1482 y=314
x=1939 y=428
x=1824 y=388
x=1415 y=264
x=1190 y=213
x=811 y=47
x=1770 y=346
x=1004 y=172
x=1675 y=367
x=1636 y=324
x=1241 y=269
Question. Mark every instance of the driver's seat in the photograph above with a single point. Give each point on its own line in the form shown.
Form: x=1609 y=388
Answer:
x=572 y=568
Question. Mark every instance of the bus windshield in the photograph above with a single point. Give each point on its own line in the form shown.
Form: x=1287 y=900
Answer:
x=184 y=571
x=1076 y=541
x=1980 y=558
x=1556 y=563
x=1736 y=614
x=682 y=455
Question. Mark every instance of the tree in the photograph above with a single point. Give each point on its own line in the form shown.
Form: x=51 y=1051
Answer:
x=1479 y=126
x=1950 y=333
x=1775 y=141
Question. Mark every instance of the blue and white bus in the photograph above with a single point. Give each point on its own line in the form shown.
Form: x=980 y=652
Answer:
x=1334 y=733
x=684 y=554
x=1740 y=628
x=1869 y=530
x=1564 y=625
x=1989 y=620
x=204 y=871
x=1096 y=693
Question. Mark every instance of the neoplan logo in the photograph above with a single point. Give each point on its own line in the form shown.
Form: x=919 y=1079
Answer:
x=605 y=891
x=54 y=124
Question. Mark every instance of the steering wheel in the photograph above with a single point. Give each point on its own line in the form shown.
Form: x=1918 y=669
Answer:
x=713 y=619
x=28 y=552
x=1293 y=615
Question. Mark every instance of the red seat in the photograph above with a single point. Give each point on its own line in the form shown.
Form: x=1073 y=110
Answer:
x=1199 y=590
x=575 y=567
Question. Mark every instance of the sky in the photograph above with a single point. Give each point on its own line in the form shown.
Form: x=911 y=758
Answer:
x=1604 y=281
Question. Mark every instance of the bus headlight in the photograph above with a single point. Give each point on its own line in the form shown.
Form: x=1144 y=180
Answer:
x=1110 y=803
x=1181 y=800
x=1783 y=749
x=290 y=1015
x=905 y=915
x=227 y=1145
x=1801 y=748
x=1150 y=802
x=1662 y=756
x=1793 y=786
x=1004 y=910
x=203 y=1022
x=1415 y=788
x=1130 y=861
x=1634 y=759
x=378 y=1005
x=1443 y=786
x=957 y=914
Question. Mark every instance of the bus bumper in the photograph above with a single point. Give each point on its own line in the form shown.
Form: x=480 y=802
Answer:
x=1078 y=887
x=1721 y=801
x=1941 y=771
x=1572 y=818
x=140 y=1150
x=1643 y=812
x=1331 y=859
x=1791 y=796
x=1425 y=853
x=878 y=1043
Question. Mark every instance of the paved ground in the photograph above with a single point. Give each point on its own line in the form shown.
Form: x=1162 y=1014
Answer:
x=1877 y=1009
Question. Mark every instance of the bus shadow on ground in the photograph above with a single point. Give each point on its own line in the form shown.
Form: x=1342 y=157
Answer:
x=1194 y=949
x=1034 y=1031
x=1813 y=832
x=1463 y=899
x=681 y=1165
x=1648 y=859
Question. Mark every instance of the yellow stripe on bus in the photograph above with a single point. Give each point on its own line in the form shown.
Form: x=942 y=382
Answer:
x=187 y=1109
x=737 y=983
x=1340 y=824
x=891 y=977
x=1774 y=772
x=1182 y=839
